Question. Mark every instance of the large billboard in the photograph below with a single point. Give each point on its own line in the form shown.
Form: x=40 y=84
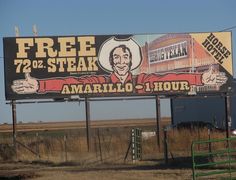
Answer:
x=117 y=65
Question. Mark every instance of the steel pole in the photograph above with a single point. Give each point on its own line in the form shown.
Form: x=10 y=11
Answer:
x=14 y=122
x=158 y=119
x=227 y=115
x=87 y=109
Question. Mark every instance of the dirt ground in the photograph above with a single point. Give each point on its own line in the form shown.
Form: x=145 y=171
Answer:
x=140 y=171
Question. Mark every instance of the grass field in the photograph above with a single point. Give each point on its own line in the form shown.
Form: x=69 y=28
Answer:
x=58 y=150
x=46 y=126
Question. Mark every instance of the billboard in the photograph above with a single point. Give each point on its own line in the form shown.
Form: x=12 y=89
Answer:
x=117 y=65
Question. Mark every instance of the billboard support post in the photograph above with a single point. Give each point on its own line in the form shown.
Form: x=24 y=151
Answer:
x=158 y=118
x=13 y=108
x=87 y=109
x=14 y=122
x=227 y=115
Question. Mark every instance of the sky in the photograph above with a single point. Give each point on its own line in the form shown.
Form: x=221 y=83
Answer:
x=105 y=17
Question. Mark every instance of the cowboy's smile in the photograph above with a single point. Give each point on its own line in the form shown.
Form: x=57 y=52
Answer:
x=121 y=68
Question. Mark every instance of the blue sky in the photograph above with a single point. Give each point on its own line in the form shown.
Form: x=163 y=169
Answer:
x=74 y=17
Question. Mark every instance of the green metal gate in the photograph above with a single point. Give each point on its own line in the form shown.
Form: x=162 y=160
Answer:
x=215 y=158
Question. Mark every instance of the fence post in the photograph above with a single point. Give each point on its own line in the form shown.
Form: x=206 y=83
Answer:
x=99 y=143
x=95 y=146
x=198 y=134
x=65 y=147
x=37 y=145
x=193 y=161
x=209 y=139
x=165 y=146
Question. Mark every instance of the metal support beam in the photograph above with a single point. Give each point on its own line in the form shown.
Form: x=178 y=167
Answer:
x=82 y=100
x=14 y=123
x=158 y=119
x=227 y=115
x=87 y=109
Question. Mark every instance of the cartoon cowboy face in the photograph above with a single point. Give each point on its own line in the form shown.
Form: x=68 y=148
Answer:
x=124 y=55
x=121 y=60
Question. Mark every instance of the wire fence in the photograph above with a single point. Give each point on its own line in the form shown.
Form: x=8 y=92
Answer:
x=107 y=145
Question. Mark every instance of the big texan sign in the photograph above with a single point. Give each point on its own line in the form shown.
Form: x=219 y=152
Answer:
x=117 y=65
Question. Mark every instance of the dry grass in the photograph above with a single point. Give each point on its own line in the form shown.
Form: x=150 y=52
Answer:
x=109 y=143
x=180 y=140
